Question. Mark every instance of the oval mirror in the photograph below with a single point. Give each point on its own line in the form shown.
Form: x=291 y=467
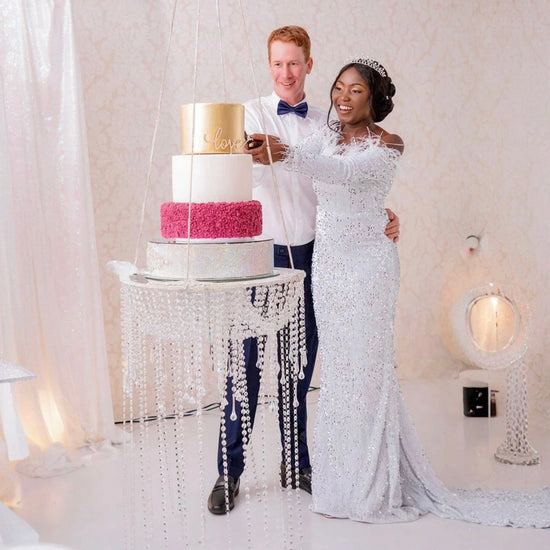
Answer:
x=492 y=323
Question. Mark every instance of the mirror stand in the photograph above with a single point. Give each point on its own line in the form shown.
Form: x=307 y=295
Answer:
x=516 y=448
x=491 y=326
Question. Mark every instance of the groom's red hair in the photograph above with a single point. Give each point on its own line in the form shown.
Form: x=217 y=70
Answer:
x=291 y=33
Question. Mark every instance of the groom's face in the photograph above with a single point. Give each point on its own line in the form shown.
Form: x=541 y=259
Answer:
x=289 y=68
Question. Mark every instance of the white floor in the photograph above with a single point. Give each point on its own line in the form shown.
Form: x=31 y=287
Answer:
x=101 y=506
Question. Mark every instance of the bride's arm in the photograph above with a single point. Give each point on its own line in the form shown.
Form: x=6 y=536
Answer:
x=312 y=159
x=309 y=156
x=260 y=145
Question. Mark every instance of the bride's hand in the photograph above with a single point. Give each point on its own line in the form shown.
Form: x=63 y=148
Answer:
x=258 y=148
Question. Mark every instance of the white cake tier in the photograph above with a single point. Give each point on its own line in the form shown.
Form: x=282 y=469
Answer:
x=211 y=260
x=216 y=178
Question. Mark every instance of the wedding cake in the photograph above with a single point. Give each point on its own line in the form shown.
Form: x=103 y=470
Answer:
x=212 y=229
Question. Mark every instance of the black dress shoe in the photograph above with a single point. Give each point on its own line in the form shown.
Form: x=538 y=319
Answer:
x=216 y=500
x=304 y=479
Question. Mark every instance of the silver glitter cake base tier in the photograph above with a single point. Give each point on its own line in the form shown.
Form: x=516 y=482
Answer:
x=210 y=260
x=174 y=335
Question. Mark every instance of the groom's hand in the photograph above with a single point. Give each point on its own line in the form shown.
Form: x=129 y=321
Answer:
x=392 y=229
x=257 y=147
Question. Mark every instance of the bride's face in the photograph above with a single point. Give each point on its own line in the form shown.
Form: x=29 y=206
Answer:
x=351 y=98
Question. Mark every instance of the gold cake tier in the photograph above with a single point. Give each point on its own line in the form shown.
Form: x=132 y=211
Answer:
x=218 y=128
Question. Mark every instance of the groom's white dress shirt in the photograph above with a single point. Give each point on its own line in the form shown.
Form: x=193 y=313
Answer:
x=298 y=199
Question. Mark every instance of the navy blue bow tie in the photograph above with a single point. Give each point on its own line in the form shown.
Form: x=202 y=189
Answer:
x=283 y=108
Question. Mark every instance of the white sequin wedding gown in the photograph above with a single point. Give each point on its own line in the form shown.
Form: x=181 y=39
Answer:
x=368 y=462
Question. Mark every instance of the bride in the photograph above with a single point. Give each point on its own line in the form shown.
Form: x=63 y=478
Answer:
x=368 y=463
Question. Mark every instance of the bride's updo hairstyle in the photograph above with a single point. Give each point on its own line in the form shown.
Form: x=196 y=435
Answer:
x=380 y=85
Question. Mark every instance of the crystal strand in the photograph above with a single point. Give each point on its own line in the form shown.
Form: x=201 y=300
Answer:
x=223 y=437
x=128 y=340
x=144 y=461
x=273 y=372
x=170 y=403
x=189 y=333
x=302 y=328
x=249 y=329
x=232 y=377
x=223 y=352
x=246 y=433
x=199 y=362
x=283 y=412
x=263 y=458
x=140 y=368
x=294 y=368
x=292 y=472
x=240 y=392
x=162 y=453
x=179 y=427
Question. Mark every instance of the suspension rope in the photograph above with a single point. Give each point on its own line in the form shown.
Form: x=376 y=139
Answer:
x=155 y=131
x=273 y=176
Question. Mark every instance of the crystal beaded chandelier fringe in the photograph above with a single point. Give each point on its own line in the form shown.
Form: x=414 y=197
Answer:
x=170 y=333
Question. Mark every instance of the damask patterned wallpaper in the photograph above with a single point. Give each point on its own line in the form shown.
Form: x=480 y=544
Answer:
x=471 y=105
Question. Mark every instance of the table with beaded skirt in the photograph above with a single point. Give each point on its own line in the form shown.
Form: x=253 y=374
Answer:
x=173 y=334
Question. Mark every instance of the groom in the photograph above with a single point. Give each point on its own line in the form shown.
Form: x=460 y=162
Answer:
x=286 y=115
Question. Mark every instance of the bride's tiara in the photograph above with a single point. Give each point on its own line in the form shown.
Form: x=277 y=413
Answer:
x=369 y=63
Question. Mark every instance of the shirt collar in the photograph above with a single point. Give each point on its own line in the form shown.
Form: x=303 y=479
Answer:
x=274 y=99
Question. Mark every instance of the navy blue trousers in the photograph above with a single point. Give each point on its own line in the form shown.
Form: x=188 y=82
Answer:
x=302 y=256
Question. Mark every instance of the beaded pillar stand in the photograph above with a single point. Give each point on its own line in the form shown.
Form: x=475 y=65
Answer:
x=172 y=333
x=516 y=448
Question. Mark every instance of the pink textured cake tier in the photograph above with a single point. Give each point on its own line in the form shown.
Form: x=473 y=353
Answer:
x=211 y=220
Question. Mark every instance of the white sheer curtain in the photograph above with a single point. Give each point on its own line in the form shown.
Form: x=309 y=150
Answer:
x=51 y=319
